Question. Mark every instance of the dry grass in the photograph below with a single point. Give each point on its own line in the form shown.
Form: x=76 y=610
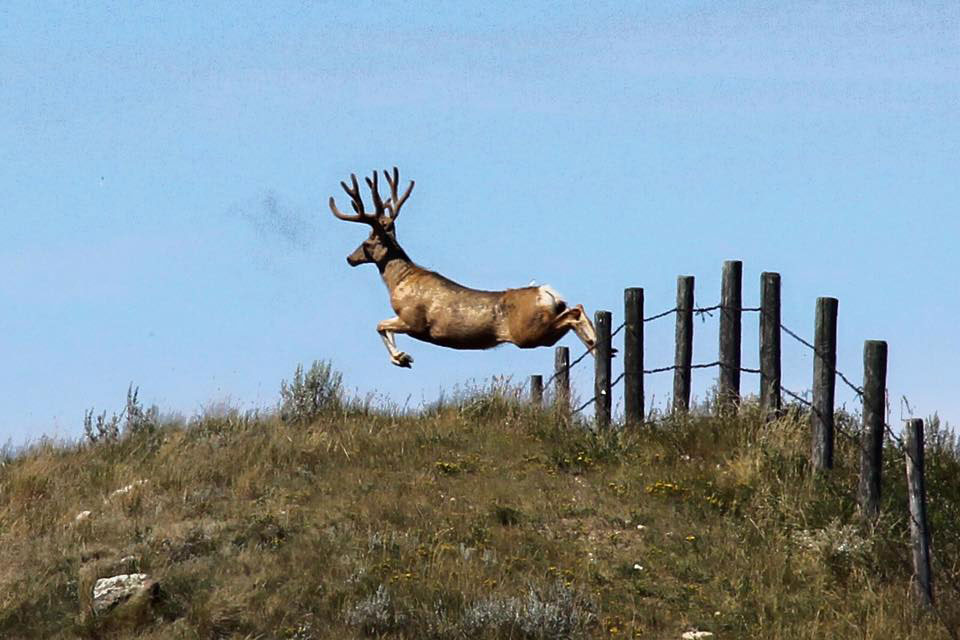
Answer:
x=478 y=518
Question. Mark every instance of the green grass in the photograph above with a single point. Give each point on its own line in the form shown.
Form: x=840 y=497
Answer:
x=480 y=517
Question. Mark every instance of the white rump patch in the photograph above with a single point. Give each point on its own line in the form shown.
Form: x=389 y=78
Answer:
x=547 y=296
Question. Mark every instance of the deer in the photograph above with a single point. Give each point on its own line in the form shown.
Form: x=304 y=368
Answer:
x=435 y=309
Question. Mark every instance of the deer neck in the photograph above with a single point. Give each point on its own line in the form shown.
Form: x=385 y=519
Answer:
x=394 y=269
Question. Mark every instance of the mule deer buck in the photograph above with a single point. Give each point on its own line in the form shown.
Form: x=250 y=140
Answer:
x=437 y=310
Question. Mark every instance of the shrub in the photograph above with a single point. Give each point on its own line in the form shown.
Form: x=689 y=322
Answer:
x=311 y=393
x=135 y=419
x=558 y=613
x=376 y=614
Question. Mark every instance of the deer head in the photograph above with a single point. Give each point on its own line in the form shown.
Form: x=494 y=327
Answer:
x=381 y=246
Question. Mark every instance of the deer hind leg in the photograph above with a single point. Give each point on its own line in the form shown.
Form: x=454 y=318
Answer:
x=576 y=318
x=387 y=329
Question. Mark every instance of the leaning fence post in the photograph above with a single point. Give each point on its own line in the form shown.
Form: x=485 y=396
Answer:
x=601 y=387
x=536 y=390
x=561 y=378
x=824 y=383
x=684 y=344
x=874 y=403
x=633 y=355
x=770 y=344
x=728 y=393
x=919 y=529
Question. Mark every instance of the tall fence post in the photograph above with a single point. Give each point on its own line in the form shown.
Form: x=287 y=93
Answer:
x=684 y=345
x=561 y=379
x=874 y=404
x=770 y=402
x=731 y=297
x=919 y=529
x=601 y=387
x=536 y=390
x=824 y=383
x=633 y=356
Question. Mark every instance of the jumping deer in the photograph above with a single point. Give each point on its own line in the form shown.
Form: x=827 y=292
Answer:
x=435 y=309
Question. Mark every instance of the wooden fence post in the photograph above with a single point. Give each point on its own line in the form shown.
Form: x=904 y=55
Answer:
x=601 y=387
x=919 y=529
x=770 y=402
x=824 y=383
x=633 y=356
x=561 y=379
x=684 y=344
x=536 y=390
x=874 y=404
x=728 y=392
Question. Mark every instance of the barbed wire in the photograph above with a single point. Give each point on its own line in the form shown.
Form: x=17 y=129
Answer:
x=843 y=377
x=672 y=367
x=697 y=310
x=705 y=365
x=746 y=369
x=617 y=330
x=566 y=369
x=705 y=311
x=584 y=405
x=661 y=315
x=855 y=388
x=790 y=333
x=594 y=398
x=583 y=355
x=796 y=397
x=701 y=311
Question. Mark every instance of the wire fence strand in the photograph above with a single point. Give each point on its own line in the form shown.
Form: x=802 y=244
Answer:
x=661 y=315
x=793 y=335
x=702 y=311
x=796 y=397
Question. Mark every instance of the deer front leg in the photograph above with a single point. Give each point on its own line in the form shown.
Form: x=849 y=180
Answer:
x=387 y=329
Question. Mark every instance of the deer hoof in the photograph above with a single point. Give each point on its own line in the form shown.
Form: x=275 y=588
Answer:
x=402 y=360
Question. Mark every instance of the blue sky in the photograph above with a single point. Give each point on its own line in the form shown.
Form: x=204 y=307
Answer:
x=165 y=171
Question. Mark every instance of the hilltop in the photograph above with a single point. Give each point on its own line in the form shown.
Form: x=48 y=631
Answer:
x=479 y=517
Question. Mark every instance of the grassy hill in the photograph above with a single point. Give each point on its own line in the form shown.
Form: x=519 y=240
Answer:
x=480 y=517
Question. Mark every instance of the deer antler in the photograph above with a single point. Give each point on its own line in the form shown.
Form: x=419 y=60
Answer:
x=375 y=193
x=395 y=203
x=357 y=202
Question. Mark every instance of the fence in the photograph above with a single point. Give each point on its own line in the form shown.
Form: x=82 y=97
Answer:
x=771 y=329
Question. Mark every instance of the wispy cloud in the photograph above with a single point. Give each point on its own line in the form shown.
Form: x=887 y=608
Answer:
x=274 y=218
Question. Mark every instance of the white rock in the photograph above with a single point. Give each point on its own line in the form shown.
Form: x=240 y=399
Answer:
x=127 y=489
x=83 y=515
x=696 y=635
x=109 y=592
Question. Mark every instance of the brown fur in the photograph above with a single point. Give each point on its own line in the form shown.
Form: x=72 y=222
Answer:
x=435 y=309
